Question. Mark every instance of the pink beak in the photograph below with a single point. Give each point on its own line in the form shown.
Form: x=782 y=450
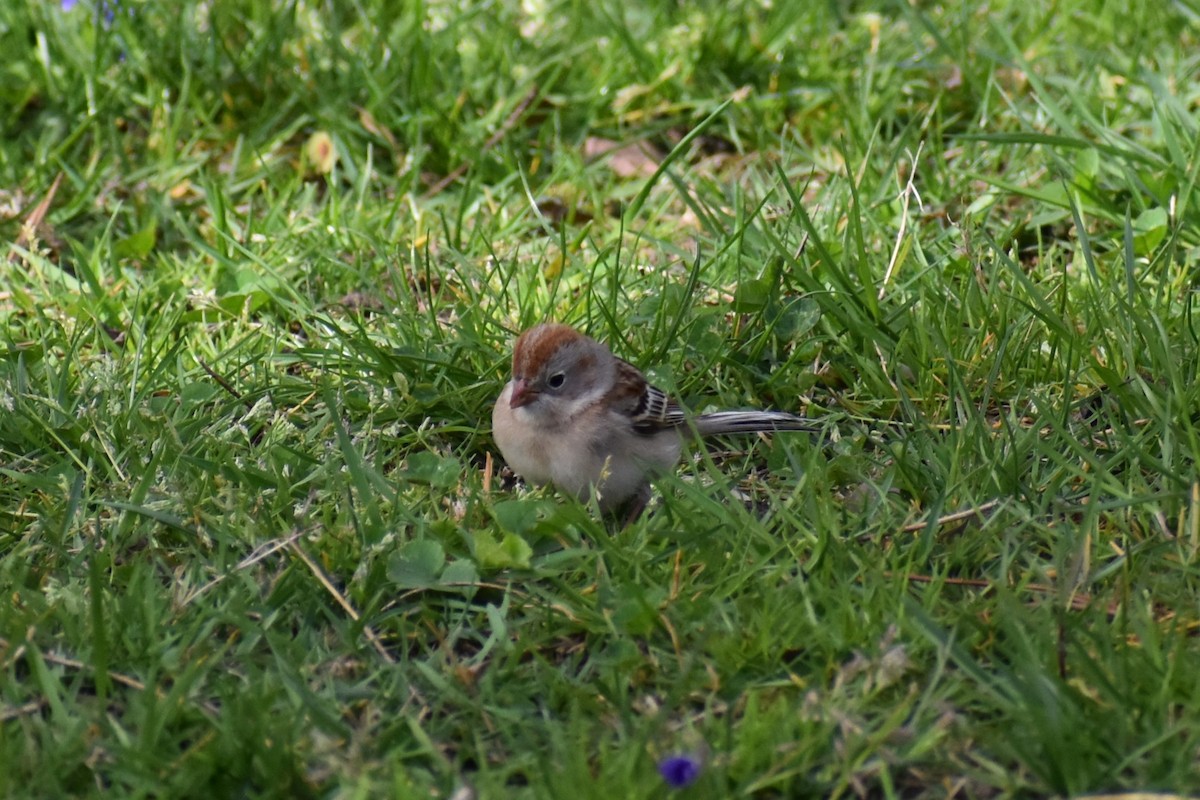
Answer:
x=522 y=395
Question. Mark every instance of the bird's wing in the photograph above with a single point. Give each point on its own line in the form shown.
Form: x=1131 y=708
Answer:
x=649 y=408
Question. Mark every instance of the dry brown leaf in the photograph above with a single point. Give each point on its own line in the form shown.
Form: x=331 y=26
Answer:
x=371 y=125
x=33 y=222
x=635 y=160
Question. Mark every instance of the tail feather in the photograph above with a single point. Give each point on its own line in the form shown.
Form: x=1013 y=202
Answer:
x=721 y=422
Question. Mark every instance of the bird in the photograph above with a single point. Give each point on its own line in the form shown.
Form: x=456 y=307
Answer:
x=578 y=417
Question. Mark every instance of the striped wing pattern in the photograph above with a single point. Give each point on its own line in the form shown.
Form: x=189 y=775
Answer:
x=651 y=411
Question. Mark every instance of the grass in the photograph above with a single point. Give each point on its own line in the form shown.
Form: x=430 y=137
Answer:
x=265 y=263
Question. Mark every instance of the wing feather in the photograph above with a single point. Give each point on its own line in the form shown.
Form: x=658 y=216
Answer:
x=650 y=409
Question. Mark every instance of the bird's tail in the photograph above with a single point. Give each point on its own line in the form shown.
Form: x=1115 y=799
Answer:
x=721 y=422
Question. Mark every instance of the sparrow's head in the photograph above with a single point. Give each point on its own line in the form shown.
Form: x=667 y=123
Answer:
x=555 y=367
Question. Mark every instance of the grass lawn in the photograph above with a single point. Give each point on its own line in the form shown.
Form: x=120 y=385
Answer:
x=263 y=263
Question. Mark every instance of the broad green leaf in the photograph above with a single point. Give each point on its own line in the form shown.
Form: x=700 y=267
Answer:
x=1150 y=228
x=511 y=551
x=459 y=571
x=138 y=245
x=518 y=516
x=417 y=564
x=435 y=470
x=751 y=296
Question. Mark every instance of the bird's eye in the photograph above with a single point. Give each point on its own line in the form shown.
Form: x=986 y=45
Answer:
x=556 y=380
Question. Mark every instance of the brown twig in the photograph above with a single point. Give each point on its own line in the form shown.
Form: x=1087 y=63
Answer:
x=76 y=664
x=414 y=696
x=71 y=663
x=323 y=579
x=20 y=711
x=261 y=552
x=1078 y=602
x=224 y=384
x=957 y=516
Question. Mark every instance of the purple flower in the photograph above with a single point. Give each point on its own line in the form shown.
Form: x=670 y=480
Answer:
x=679 y=771
x=106 y=8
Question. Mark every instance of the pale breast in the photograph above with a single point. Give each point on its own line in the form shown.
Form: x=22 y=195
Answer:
x=523 y=446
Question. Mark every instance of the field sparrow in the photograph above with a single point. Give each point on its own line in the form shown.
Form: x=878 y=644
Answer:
x=578 y=417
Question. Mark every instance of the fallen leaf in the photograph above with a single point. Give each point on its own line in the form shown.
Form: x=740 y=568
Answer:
x=371 y=125
x=636 y=160
x=29 y=229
